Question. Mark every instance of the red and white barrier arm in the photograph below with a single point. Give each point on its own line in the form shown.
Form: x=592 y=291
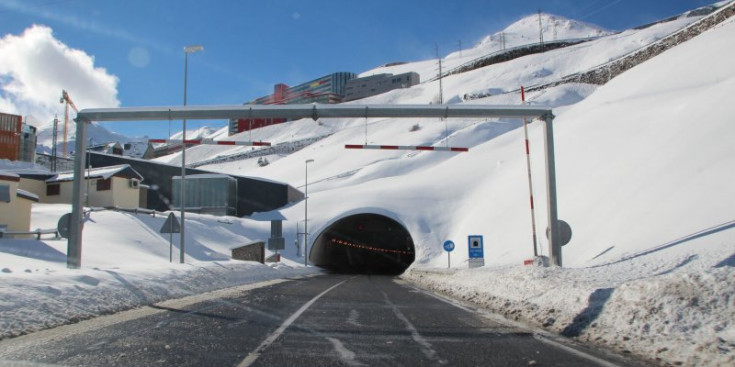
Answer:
x=211 y=142
x=407 y=147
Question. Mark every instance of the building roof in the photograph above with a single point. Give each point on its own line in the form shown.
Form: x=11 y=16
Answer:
x=27 y=195
x=123 y=170
x=204 y=175
x=9 y=176
x=268 y=216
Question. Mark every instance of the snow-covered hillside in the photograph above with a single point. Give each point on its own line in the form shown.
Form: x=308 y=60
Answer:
x=488 y=183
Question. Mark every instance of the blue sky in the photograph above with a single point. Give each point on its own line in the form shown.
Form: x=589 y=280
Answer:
x=251 y=45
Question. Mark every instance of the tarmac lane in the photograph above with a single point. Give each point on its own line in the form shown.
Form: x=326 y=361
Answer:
x=325 y=320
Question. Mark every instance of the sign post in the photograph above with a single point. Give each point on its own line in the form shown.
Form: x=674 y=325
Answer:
x=171 y=226
x=477 y=256
x=449 y=247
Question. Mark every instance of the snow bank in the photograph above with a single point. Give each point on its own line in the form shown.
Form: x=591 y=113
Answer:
x=58 y=297
x=670 y=312
x=125 y=264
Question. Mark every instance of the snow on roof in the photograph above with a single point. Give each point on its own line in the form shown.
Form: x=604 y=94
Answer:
x=102 y=172
x=204 y=175
x=27 y=195
x=268 y=216
x=8 y=176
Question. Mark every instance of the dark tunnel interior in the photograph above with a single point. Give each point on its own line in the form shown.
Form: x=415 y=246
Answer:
x=364 y=243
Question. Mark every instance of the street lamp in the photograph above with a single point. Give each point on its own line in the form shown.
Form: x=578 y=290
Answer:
x=306 y=212
x=187 y=50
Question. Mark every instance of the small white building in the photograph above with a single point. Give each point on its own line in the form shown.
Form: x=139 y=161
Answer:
x=15 y=204
x=116 y=186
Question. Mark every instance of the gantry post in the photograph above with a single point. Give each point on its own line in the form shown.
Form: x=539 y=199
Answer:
x=554 y=240
x=76 y=222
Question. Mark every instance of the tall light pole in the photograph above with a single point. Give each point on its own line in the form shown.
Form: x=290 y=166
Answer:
x=187 y=50
x=306 y=212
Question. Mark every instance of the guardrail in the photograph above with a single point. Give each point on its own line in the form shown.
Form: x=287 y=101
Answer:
x=510 y=54
x=602 y=73
x=285 y=147
x=37 y=233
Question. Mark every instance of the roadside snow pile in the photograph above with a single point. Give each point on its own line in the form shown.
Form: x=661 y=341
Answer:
x=68 y=296
x=125 y=264
x=652 y=310
x=645 y=166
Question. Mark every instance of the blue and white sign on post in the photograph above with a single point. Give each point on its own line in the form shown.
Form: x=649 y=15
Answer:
x=477 y=255
x=449 y=247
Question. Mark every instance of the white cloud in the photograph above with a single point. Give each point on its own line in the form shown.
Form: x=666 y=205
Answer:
x=35 y=68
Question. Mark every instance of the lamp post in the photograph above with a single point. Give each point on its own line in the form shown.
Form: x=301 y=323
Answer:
x=187 y=50
x=306 y=211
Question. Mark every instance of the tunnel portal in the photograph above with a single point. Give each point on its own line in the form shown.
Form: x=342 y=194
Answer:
x=364 y=243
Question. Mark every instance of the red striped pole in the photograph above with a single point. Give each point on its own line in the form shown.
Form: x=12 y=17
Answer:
x=407 y=147
x=530 y=181
x=211 y=142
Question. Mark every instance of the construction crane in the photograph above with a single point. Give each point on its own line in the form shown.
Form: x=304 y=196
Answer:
x=67 y=102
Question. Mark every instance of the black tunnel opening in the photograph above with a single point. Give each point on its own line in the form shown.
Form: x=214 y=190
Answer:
x=364 y=243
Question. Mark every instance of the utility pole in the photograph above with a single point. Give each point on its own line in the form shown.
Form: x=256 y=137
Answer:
x=460 y=47
x=182 y=193
x=441 y=96
x=306 y=211
x=540 y=30
x=53 y=144
x=441 y=90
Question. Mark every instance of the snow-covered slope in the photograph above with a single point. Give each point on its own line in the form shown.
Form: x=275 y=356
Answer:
x=484 y=191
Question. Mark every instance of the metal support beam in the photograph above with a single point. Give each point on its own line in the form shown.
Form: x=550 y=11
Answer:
x=554 y=241
x=74 y=244
x=313 y=111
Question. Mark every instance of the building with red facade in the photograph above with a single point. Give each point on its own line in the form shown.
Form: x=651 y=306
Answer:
x=10 y=129
x=328 y=89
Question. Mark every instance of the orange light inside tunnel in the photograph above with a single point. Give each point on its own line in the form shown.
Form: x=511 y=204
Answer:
x=370 y=248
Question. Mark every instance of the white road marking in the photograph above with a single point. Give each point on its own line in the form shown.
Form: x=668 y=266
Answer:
x=345 y=354
x=426 y=347
x=254 y=355
x=352 y=318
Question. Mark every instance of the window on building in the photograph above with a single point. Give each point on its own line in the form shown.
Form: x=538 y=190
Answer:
x=4 y=193
x=53 y=189
x=104 y=185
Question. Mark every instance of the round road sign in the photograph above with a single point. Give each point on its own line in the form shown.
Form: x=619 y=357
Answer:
x=565 y=232
x=63 y=226
x=448 y=246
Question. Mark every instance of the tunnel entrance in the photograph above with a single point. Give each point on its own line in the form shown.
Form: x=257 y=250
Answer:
x=364 y=243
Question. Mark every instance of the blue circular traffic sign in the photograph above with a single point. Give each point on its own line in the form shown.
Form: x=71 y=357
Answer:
x=448 y=246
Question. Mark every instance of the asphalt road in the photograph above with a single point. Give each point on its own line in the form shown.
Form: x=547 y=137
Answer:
x=328 y=320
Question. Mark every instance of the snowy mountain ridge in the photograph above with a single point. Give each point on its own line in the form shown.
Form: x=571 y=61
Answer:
x=552 y=28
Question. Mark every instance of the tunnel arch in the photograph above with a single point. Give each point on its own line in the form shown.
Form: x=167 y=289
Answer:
x=364 y=243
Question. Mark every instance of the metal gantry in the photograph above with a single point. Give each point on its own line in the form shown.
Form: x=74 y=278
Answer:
x=313 y=111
